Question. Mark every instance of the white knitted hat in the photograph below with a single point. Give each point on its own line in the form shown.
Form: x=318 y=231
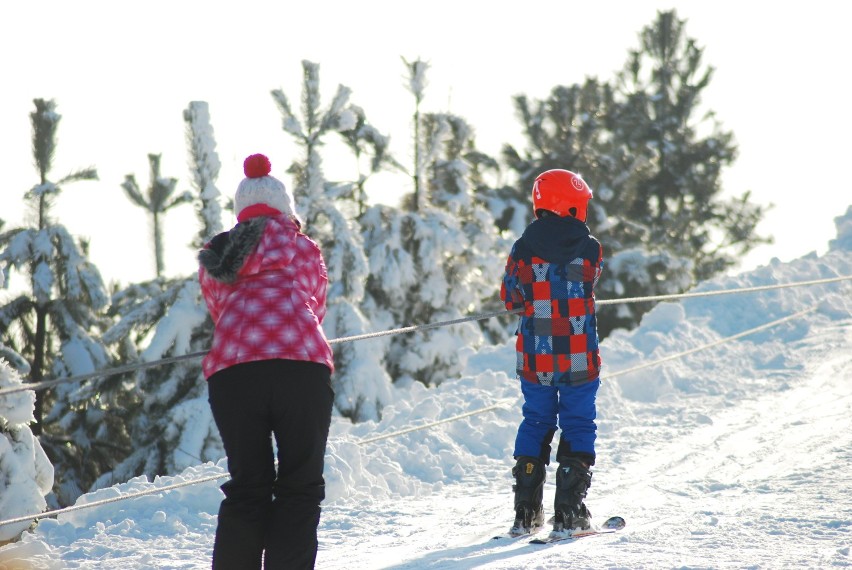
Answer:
x=260 y=188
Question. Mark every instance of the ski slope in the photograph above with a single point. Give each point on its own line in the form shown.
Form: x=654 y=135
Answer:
x=756 y=478
x=738 y=456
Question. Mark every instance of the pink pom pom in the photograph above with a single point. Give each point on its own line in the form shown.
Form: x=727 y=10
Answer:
x=257 y=165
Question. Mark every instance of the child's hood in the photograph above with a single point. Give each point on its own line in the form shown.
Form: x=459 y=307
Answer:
x=557 y=239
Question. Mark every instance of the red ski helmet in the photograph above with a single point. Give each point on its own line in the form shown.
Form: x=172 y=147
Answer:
x=560 y=190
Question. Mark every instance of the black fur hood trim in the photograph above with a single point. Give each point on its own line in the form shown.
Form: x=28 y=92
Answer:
x=227 y=252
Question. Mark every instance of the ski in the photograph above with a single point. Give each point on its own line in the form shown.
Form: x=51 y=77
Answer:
x=612 y=524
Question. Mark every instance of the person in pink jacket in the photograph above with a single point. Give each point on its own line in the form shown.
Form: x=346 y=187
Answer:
x=269 y=375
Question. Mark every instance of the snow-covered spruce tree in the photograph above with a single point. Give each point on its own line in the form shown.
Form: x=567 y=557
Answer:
x=26 y=474
x=438 y=257
x=173 y=428
x=55 y=325
x=693 y=232
x=157 y=202
x=329 y=212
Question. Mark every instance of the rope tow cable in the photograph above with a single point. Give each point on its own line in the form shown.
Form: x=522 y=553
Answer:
x=44 y=384
x=715 y=343
x=706 y=346
x=112 y=500
x=722 y=291
x=501 y=404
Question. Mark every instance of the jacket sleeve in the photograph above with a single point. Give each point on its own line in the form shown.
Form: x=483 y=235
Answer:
x=510 y=292
x=321 y=291
x=209 y=291
x=598 y=267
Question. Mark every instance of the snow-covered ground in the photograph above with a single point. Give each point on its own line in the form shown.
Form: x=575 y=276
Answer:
x=739 y=456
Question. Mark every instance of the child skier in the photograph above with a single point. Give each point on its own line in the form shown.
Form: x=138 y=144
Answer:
x=551 y=273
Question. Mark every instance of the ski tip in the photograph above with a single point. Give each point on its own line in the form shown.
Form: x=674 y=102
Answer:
x=614 y=523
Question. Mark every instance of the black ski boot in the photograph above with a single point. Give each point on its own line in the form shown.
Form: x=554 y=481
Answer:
x=572 y=481
x=529 y=491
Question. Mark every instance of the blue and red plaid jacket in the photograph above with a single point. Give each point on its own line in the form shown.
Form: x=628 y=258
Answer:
x=551 y=273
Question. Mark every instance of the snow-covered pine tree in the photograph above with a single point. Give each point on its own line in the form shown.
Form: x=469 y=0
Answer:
x=437 y=257
x=205 y=167
x=173 y=428
x=55 y=325
x=157 y=201
x=26 y=474
x=329 y=211
x=693 y=233
x=366 y=142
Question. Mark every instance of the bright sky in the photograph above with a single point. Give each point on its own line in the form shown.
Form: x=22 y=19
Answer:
x=123 y=74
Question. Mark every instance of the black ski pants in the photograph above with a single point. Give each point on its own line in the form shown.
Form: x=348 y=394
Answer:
x=266 y=515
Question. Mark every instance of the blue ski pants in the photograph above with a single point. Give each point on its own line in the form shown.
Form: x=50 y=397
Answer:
x=569 y=408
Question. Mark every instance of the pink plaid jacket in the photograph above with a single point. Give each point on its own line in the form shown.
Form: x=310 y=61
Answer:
x=265 y=284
